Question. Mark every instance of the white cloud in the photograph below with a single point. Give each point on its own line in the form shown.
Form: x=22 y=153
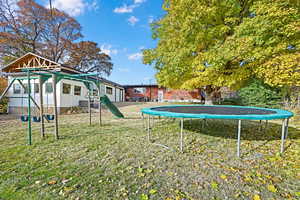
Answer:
x=132 y=20
x=141 y=48
x=150 y=19
x=107 y=49
x=125 y=9
x=129 y=8
x=135 y=56
x=139 y=1
x=123 y=69
x=74 y=7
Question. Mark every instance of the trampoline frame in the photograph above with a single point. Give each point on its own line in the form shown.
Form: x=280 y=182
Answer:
x=280 y=114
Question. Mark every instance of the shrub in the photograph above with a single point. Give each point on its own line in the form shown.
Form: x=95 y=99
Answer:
x=257 y=93
x=3 y=105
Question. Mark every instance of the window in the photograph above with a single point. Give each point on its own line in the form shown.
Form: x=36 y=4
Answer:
x=77 y=90
x=36 y=88
x=49 y=88
x=139 y=90
x=17 y=89
x=109 y=90
x=66 y=88
x=95 y=92
x=26 y=88
x=102 y=89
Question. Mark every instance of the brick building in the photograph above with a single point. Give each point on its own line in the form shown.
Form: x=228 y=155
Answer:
x=156 y=93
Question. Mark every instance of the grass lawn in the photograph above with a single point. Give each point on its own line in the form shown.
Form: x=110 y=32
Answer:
x=116 y=161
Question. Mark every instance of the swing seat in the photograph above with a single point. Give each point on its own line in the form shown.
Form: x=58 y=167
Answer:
x=36 y=119
x=24 y=118
x=49 y=117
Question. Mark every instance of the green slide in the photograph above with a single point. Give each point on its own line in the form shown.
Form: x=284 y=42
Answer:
x=113 y=109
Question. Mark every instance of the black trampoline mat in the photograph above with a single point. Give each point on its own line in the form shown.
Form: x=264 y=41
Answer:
x=214 y=110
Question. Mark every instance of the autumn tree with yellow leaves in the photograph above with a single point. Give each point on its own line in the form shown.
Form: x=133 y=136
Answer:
x=217 y=43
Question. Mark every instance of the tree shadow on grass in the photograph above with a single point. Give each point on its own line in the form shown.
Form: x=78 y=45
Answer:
x=251 y=130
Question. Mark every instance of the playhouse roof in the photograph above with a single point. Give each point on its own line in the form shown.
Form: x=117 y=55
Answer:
x=32 y=60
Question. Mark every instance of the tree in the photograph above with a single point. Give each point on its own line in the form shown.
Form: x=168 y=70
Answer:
x=30 y=27
x=87 y=57
x=225 y=43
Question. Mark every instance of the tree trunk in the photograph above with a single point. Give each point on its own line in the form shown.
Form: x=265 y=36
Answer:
x=208 y=95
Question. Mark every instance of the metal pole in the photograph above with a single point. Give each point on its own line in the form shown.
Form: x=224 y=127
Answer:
x=29 y=109
x=282 y=135
x=100 y=115
x=287 y=128
x=266 y=125
x=143 y=120
x=260 y=125
x=89 y=108
x=41 y=106
x=55 y=105
x=239 y=137
x=148 y=128
x=181 y=135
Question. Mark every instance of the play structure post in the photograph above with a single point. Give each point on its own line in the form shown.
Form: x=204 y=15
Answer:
x=89 y=106
x=41 y=106
x=99 y=94
x=29 y=109
x=55 y=105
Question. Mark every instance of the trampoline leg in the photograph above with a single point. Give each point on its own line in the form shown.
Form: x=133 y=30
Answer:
x=148 y=128
x=266 y=125
x=181 y=135
x=283 y=135
x=143 y=120
x=239 y=138
x=260 y=125
x=286 y=128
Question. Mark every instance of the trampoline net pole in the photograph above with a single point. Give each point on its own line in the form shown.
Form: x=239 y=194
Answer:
x=239 y=138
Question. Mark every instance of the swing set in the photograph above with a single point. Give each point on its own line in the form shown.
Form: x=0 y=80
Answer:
x=40 y=116
x=36 y=117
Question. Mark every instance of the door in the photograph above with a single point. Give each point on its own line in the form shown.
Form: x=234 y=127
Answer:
x=160 y=95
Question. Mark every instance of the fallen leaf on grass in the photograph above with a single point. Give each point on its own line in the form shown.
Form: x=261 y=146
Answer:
x=222 y=176
x=152 y=191
x=144 y=197
x=272 y=188
x=52 y=182
x=256 y=197
x=214 y=185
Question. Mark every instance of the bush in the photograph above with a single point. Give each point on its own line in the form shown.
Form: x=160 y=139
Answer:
x=231 y=101
x=260 y=94
x=3 y=105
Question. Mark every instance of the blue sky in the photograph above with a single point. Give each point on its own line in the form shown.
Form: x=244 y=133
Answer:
x=121 y=28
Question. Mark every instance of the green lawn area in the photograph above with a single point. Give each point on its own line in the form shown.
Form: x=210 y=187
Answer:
x=115 y=161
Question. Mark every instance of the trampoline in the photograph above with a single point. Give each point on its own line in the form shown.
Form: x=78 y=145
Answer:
x=238 y=113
